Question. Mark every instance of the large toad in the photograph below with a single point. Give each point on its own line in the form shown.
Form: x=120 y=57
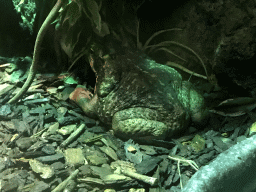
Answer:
x=140 y=98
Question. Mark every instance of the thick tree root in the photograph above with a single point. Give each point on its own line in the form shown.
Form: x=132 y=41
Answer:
x=35 y=62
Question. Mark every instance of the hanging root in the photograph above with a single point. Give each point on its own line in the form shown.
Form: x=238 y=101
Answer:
x=35 y=62
x=172 y=64
x=167 y=43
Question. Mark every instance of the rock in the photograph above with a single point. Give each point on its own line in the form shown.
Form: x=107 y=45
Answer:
x=74 y=157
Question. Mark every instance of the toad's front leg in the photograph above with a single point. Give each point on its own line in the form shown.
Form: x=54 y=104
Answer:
x=86 y=100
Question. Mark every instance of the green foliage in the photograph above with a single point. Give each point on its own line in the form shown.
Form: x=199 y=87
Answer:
x=27 y=10
x=78 y=23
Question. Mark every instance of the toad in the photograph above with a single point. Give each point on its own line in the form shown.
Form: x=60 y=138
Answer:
x=140 y=98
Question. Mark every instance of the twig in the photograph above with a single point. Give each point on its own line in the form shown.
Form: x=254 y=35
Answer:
x=73 y=136
x=62 y=185
x=180 y=159
x=150 y=180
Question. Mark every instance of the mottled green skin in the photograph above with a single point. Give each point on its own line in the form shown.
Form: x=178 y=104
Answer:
x=143 y=99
